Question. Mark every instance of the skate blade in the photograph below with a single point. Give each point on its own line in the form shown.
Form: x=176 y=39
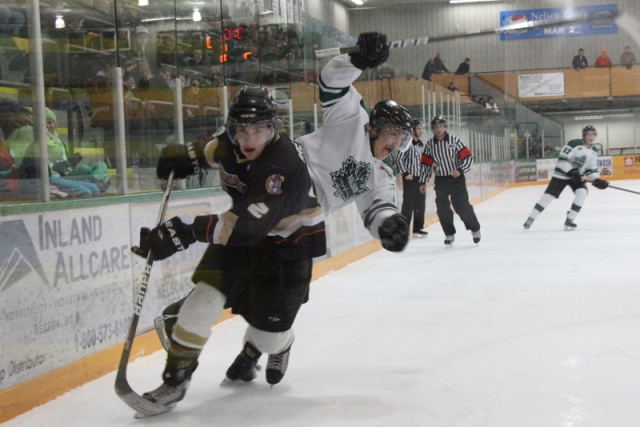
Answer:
x=449 y=246
x=228 y=382
x=142 y=415
x=569 y=228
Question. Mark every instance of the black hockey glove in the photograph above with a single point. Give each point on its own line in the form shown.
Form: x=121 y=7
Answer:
x=600 y=184
x=575 y=176
x=171 y=237
x=394 y=233
x=374 y=51
x=62 y=167
x=185 y=160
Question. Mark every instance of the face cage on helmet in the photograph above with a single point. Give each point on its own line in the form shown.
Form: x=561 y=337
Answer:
x=406 y=141
x=232 y=124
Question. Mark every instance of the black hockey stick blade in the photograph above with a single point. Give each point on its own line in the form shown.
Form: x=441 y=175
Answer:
x=122 y=387
x=422 y=41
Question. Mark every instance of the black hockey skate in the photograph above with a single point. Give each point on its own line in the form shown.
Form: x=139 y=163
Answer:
x=176 y=377
x=527 y=223
x=245 y=366
x=448 y=240
x=476 y=236
x=277 y=366
x=419 y=234
x=569 y=225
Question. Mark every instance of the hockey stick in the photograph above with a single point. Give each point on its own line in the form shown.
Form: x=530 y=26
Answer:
x=623 y=189
x=422 y=41
x=122 y=387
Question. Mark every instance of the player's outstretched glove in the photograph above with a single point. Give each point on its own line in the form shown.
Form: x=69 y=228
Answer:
x=185 y=160
x=394 y=233
x=575 y=176
x=374 y=51
x=600 y=183
x=165 y=240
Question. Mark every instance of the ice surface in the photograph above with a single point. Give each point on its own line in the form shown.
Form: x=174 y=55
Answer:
x=536 y=328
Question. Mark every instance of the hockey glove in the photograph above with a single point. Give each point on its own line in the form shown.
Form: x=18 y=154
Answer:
x=374 y=51
x=600 y=184
x=165 y=240
x=394 y=233
x=185 y=160
x=576 y=178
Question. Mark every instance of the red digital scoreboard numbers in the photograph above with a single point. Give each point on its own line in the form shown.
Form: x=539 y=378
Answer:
x=228 y=34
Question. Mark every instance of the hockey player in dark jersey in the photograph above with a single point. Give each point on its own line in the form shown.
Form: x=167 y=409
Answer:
x=259 y=258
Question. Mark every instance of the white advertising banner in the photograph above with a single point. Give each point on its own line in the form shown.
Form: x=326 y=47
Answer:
x=296 y=12
x=283 y=8
x=538 y=85
x=275 y=6
x=545 y=168
x=65 y=288
x=605 y=166
x=290 y=11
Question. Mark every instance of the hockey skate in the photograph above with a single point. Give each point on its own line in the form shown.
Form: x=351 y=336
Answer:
x=448 y=240
x=245 y=366
x=569 y=225
x=419 y=234
x=527 y=223
x=277 y=366
x=476 y=236
x=176 y=377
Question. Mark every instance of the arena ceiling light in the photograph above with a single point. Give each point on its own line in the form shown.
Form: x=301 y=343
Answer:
x=197 y=17
x=469 y=1
x=358 y=2
x=143 y=2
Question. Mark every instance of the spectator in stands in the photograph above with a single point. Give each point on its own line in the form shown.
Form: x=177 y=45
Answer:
x=10 y=22
x=603 y=61
x=9 y=184
x=429 y=69
x=167 y=52
x=491 y=105
x=140 y=42
x=452 y=87
x=214 y=76
x=439 y=65
x=627 y=58
x=464 y=67
x=148 y=79
x=482 y=102
x=580 y=61
x=197 y=61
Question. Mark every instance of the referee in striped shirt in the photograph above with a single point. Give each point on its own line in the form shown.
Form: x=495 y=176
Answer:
x=450 y=159
x=412 y=169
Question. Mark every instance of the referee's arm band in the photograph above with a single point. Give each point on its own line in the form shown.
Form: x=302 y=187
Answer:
x=464 y=153
x=427 y=160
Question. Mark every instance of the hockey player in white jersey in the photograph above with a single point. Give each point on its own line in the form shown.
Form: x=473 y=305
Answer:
x=578 y=160
x=345 y=155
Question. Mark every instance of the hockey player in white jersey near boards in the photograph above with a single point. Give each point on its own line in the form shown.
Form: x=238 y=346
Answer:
x=578 y=160
x=345 y=155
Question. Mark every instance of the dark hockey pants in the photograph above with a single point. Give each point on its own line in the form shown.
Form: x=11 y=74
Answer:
x=413 y=203
x=455 y=188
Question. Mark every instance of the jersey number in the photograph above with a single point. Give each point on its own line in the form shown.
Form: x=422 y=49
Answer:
x=258 y=209
x=566 y=150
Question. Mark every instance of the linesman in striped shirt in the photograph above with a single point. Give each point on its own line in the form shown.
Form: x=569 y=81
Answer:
x=450 y=159
x=412 y=169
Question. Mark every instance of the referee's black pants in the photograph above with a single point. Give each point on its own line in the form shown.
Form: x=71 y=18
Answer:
x=455 y=188
x=413 y=203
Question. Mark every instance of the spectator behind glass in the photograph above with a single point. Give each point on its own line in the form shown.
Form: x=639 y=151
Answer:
x=439 y=65
x=603 y=61
x=9 y=184
x=464 y=67
x=429 y=69
x=10 y=22
x=491 y=105
x=452 y=87
x=627 y=58
x=580 y=61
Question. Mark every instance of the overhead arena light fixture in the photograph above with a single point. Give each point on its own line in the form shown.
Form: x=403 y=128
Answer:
x=143 y=2
x=358 y=2
x=469 y=1
x=59 y=21
x=196 y=15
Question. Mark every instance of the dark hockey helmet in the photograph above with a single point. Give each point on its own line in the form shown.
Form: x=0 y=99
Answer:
x=438 y=120
x=251 y=106
x=416 y=124
x=390 y=114
x=589 y=129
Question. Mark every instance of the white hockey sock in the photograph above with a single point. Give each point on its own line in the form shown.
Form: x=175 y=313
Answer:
x=197 y=315
x=269 y=342
x=543 y=202
x=578 y=201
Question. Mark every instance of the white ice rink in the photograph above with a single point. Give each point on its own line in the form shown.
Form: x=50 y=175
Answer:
x=537 y=329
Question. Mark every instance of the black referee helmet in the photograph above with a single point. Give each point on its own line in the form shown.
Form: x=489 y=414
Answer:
x=438 y=120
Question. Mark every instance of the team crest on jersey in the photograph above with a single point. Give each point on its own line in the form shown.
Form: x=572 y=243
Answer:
x=232 y=181
x=351 y=180
x=451 y=146
x=385 y=170
x=274 y=184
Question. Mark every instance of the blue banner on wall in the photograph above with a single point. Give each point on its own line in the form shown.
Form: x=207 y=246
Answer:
x=596 y=20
